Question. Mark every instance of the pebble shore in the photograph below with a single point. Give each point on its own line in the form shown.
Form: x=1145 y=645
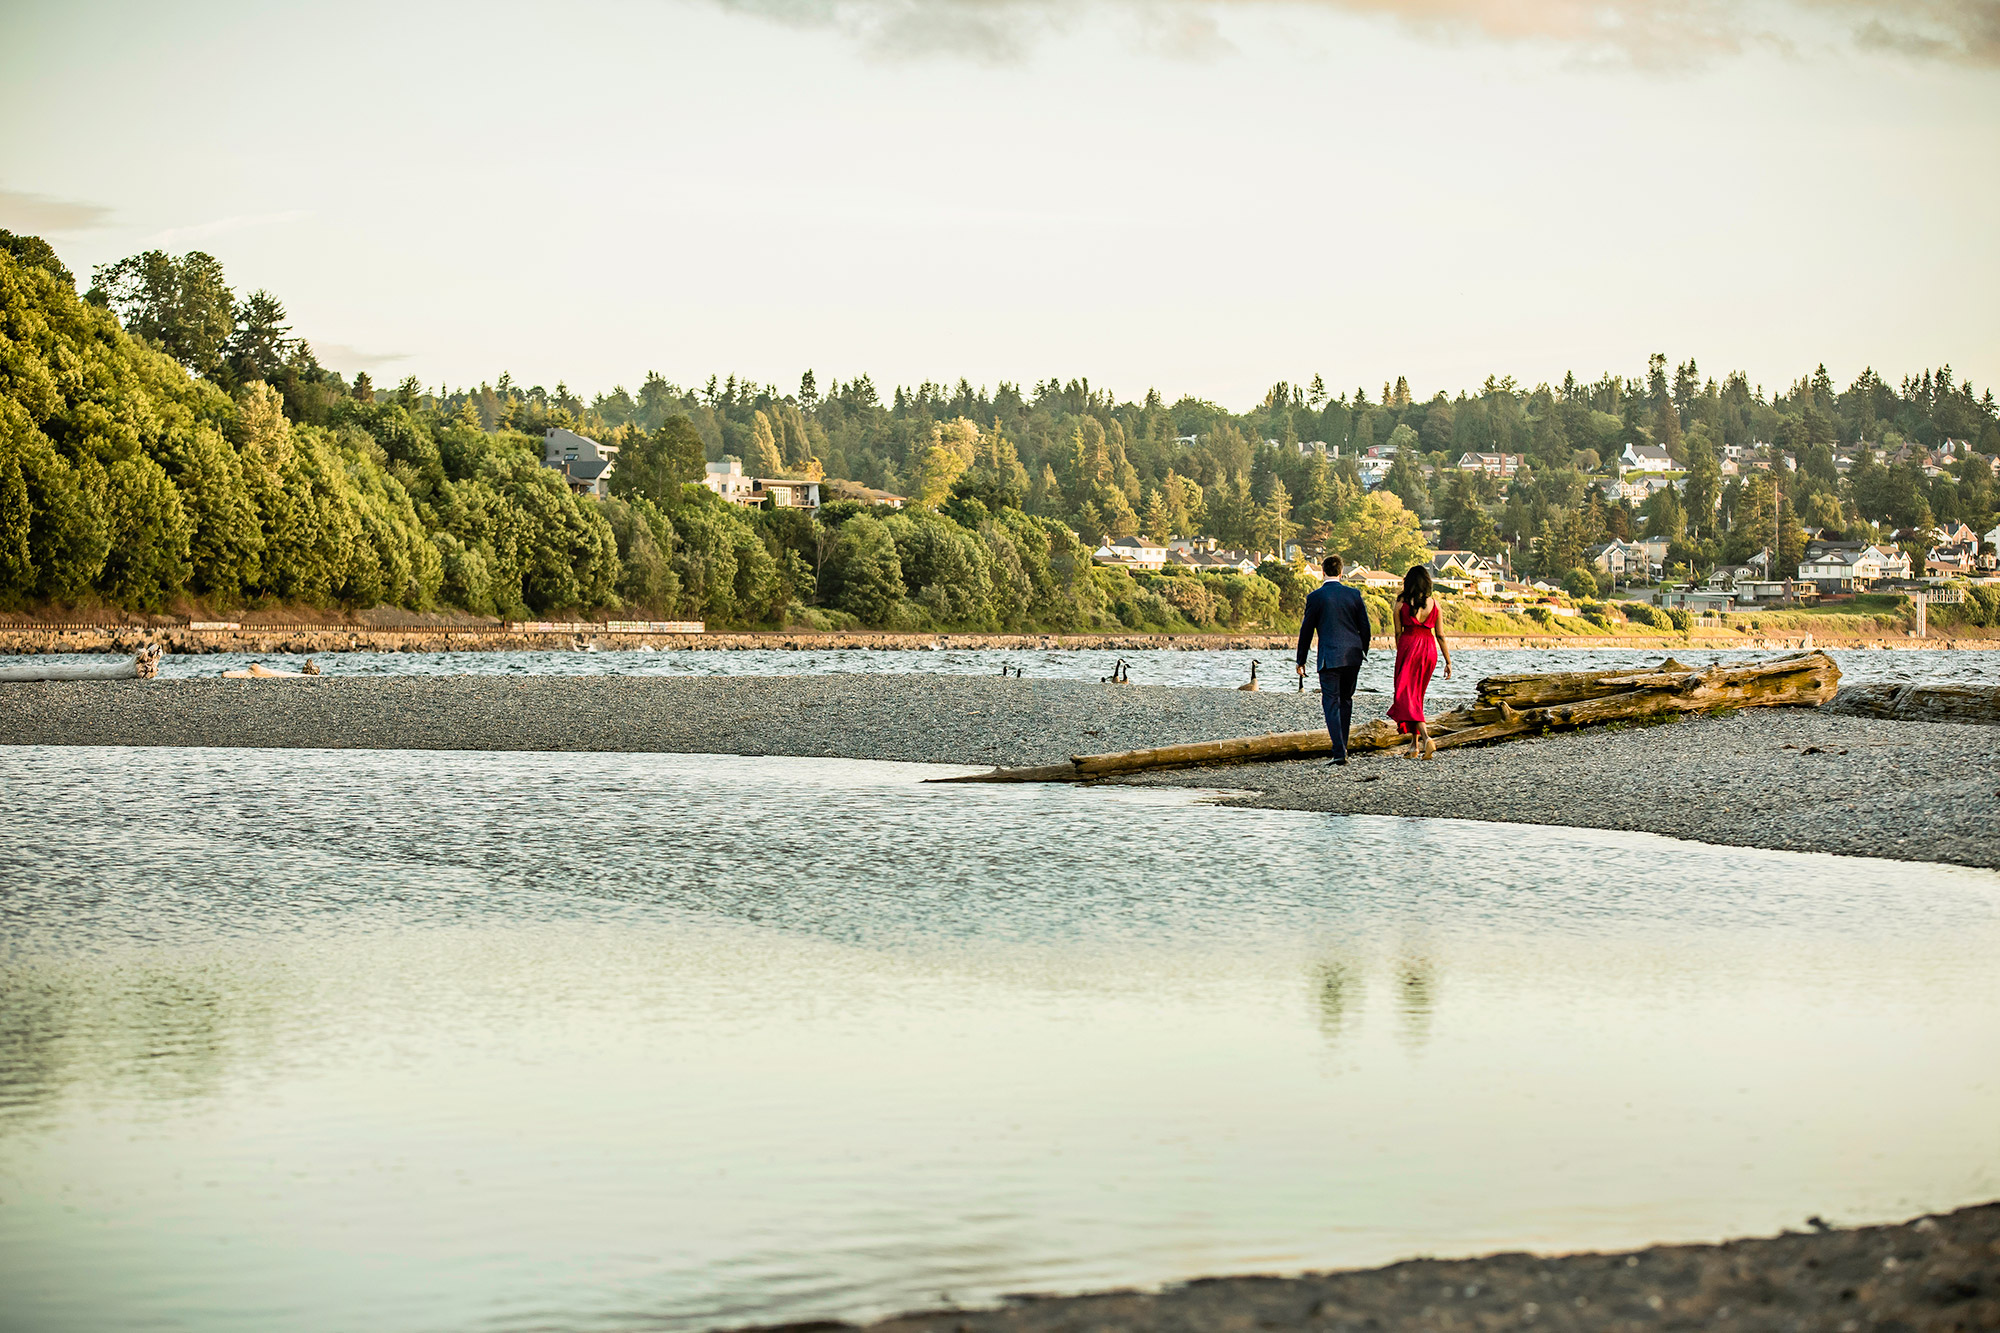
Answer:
x=1931 y=1275
x=1790 y=779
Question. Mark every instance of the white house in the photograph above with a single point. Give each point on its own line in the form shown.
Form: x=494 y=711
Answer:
x=1645 y=458
x=1132 y=553
x=1373 y=470
x=726 y=479
x=584 y=463
x=1850 y=566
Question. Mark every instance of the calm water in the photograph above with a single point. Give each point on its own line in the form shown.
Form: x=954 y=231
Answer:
x=1151 y=667
x=428 y=1041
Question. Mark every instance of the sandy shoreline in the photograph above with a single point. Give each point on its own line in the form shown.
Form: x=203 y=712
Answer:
x=1931 y=1274
x=1787 y=779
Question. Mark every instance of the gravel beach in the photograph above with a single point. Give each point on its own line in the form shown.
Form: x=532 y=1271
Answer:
x=1932 y=1275
x=1792 y=779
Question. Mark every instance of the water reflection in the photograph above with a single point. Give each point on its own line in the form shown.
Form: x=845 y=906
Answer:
x=1196 y=668
x=775 y=1039
x=1416 y=998
x=1339 y=993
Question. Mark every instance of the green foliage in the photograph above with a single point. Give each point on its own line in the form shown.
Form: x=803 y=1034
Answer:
x=1642 y=613
x=656 y=465
x=1581 y=583
x=263 y=478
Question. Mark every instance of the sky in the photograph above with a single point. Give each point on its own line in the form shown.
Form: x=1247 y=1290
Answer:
x=1198 y=196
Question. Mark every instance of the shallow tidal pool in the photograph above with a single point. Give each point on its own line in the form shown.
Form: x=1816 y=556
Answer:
x=424 y=1041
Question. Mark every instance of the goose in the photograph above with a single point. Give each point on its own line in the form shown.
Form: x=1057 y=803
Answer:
x=1253 y=679
x=1117 y=676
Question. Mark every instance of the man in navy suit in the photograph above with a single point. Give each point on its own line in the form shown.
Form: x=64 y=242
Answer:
x=1337 y=614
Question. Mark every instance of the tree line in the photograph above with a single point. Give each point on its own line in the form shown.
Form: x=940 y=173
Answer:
x=163 y=441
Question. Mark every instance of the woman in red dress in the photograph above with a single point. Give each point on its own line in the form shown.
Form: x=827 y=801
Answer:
x=1419 y=641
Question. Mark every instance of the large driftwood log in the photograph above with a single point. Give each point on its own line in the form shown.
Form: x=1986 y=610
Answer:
x=144 y=666
x=1507 y=707
x=1921 y=703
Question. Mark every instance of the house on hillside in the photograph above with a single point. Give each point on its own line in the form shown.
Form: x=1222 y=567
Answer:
x=1463 y=570
x=585 y=464
x=1851 y=566
x=1502 y=466
x=1213 y=561
x=1373 y=580
x=1701 y=601
x=1132 y=553
x=1617 y=559
x=1646 y=458
x=727 y=479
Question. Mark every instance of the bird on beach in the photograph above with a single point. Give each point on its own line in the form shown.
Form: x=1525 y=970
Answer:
x=1117 y=676
x=1252 y=686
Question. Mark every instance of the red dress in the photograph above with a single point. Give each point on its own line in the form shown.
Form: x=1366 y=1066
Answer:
x=1416 y=659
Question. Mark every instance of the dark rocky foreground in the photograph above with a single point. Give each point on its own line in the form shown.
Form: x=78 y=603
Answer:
x=1934 y=1275
x=1794 y=779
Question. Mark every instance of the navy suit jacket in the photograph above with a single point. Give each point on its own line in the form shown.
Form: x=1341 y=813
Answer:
x=1337 y=614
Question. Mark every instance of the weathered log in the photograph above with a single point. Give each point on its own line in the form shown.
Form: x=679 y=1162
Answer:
x=258 y=671
x=1805 y=680
x=1533 y=688
x=1921 y=703
x=144 y=666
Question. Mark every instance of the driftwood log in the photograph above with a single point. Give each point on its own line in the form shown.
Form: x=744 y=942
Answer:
x=258 y=671
x=1921 y=703
x=144 y=666
x=1508 y=707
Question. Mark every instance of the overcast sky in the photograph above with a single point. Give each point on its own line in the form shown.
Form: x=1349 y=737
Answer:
x=1199 y=197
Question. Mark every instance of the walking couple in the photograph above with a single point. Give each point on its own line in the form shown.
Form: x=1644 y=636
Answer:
x=1337 y=614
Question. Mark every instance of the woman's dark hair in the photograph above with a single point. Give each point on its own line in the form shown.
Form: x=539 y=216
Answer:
x=1416 y=587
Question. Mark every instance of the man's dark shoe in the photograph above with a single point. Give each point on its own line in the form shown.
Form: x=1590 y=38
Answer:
x=1334 y=763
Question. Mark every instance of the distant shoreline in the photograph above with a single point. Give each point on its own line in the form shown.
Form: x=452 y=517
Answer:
x=29 y=640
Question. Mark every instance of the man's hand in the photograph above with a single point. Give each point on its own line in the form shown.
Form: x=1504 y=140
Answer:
x=1302 y=670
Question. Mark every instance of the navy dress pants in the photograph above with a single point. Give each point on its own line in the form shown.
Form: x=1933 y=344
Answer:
x=1336 y=700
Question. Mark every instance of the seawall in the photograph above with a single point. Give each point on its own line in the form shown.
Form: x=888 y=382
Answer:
x=308 y=639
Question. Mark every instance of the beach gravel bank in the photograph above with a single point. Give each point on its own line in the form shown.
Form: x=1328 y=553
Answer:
x=1778 y=778
x=1932 y=1275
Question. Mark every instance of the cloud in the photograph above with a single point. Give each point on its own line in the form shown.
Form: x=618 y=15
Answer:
x=347 y=360
x=36 y=214
x=173 y=236
x=1646 y=33
x=988 y=31
x=1966 y=31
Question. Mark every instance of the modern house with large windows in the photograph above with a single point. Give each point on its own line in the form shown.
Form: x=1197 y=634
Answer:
x=584 y=463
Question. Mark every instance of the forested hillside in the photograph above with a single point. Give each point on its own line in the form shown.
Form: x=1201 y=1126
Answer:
x=164 y=443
